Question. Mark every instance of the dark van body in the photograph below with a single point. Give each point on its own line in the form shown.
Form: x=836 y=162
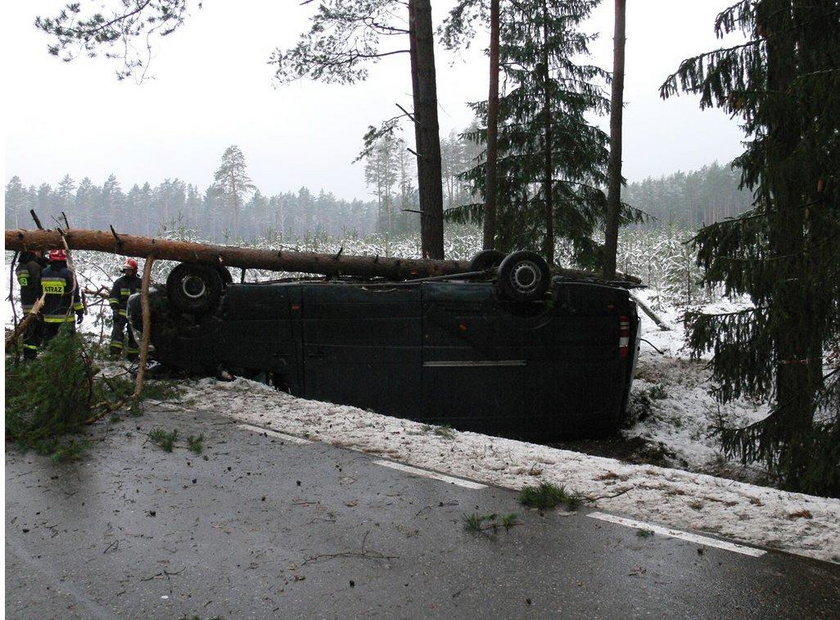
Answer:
x=441 y=352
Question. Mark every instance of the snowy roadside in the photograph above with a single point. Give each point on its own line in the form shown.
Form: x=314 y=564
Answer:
x=672 y=403
x=767 y=517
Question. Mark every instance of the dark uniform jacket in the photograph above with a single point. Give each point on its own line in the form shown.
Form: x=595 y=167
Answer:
x=60 y=294
x=28 y=274
x=120 y=292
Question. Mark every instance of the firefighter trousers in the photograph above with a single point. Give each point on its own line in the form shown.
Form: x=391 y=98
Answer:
x=32 y=336
x=118 y=339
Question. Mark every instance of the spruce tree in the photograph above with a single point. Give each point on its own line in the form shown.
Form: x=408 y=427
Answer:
x=552 y=161
x=784 y=84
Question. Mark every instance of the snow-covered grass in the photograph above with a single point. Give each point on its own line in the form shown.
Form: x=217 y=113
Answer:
x=670 y=397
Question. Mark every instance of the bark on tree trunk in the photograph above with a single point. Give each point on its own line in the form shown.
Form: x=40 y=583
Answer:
x=795 y=387
x=245 y=258
x=306 y=262
x=426 y=131
x=548 y=172
x=490 y=186
x=614 y=166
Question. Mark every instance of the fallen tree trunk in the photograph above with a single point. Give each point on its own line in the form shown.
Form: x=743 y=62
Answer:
x=248 y=258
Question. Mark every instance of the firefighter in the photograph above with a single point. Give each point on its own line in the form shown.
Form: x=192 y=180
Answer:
x=61 y=296
x=28 y=274
x=125 y=286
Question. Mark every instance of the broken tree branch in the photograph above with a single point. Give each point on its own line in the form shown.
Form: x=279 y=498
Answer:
x=35 y=217
x=21 y=327
x=659 y=322
x=408 y=114
x=116 y=236
x=12 y=281
x=147 y=325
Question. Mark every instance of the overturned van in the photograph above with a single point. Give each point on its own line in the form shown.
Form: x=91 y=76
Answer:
x=538 y=364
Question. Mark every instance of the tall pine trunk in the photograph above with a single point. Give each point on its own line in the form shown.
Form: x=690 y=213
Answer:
x=490 y=191
x=789 y=311
x=426 y=130
x=548 y=171
x=616 y=121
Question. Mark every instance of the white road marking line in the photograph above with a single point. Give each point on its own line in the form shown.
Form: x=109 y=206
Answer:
x=270 y=433
x=431 y=474
x=666 y=531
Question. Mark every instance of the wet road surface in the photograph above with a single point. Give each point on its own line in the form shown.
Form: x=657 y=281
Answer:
x=258 y=526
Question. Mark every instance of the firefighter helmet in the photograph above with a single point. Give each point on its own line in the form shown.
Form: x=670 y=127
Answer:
x=130 y=263
x=57 y=255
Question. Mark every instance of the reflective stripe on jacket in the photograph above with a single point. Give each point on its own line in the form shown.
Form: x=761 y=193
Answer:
x=60 y=294
x=123 y=288
x=29 y=278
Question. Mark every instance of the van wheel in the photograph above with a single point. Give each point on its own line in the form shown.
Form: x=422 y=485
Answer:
x=194 y=288
x=523 y=276
x=486 y=260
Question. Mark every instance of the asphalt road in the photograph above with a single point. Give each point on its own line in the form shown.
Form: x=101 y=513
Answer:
x=259 y=527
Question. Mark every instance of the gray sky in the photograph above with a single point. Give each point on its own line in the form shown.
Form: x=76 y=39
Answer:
x=212 y=87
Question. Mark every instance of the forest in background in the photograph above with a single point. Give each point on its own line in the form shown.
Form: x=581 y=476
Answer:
x=682 y=200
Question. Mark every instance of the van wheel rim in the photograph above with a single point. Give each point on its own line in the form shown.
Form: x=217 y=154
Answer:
x=525 y=277
x=193 y=287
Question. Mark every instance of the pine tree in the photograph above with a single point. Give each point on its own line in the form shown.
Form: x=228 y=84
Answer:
x=614 y=178
x=65 y=194
x=784 y=83
x=345 y=37
x=16 y=203
x=233 y=183
x=409 y=199
x=381 y=173
x=87 y=199
x=112 y=201
x=690 y=199
x=45 y=204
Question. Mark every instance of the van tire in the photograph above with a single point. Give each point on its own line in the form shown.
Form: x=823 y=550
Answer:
x=523 y=277
x=486 y=260
x=194 y=288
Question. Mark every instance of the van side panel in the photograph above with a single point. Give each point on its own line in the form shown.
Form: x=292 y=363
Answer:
x=553 y=372
x=362 y=346
x=255 y=332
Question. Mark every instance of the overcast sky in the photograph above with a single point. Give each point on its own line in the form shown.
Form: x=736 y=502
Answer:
x=212 y=87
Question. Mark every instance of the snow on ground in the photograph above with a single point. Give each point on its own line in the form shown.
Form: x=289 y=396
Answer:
x=756 y=515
